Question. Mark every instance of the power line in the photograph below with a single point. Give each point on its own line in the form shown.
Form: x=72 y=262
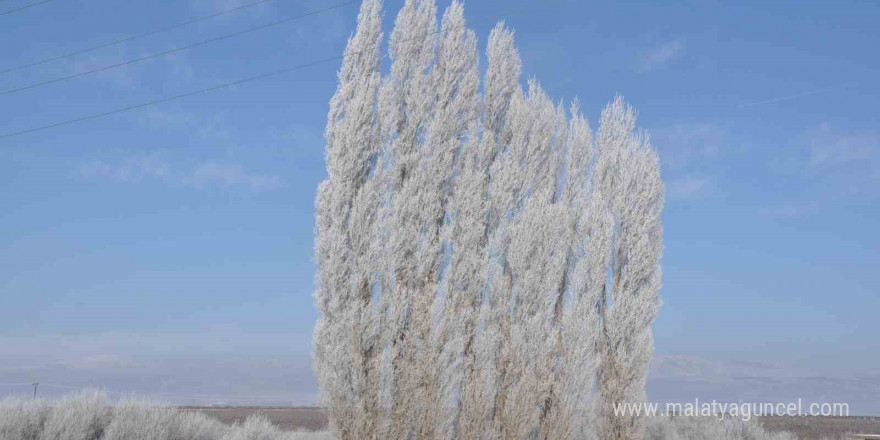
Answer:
x=179 y=49
x=173 y=98
x=213 y=88
x=134 y=37
x=12 y=11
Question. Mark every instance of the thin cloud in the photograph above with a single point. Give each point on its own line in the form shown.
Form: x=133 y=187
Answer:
x=690 y=187
x=789 y=210
x=208 y=175
x=684 y=144
x=830 y=149
x=795 y=96
x=122 y=76
x=833 y=166
x=661 y=55
x=687 y=152
x=845 y=162
x=133 y=168
x=211 y=175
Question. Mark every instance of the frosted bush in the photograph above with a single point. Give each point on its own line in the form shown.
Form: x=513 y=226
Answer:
x=140 y=420
x=136 y=420
x=22 y=419
x=258 y=427
x=87 y=416
x=81 y=416
x=197 y=426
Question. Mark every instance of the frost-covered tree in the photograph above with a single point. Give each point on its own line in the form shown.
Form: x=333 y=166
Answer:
x=345 y=345
x=628 y=176
x=482 y=260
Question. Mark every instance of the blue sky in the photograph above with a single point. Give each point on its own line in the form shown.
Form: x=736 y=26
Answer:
x=184 y=230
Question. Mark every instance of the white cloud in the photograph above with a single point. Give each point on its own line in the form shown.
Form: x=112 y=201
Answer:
x=685 y=143
x=687 y=152
x=120 y=76
x=133 y=168
x=830 y=166
x=830 y=149
x=689 y=187
x=846 y=163
x=210 y=175
x=660 y=56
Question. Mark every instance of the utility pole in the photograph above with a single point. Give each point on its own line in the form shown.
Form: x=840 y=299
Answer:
x=35 y=384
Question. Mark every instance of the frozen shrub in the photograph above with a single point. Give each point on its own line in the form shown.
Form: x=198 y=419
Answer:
x=22 y=419
x=256 y=427
x=196 y=426
x=140 y=420
x=322 y=435
x=135 y=420
x=81 y=416
x=86 y=416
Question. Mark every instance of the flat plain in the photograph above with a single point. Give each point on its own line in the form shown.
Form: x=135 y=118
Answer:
x=312 y=418
x=816 y=428
x=287 y=418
